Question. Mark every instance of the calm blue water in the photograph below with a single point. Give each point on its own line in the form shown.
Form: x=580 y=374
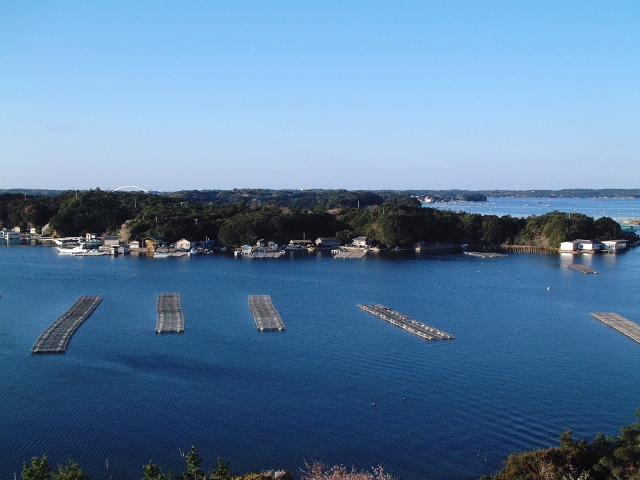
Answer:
x=616 y=208
x=526 y=364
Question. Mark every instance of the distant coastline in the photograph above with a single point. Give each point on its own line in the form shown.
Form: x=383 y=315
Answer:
x=541 y=193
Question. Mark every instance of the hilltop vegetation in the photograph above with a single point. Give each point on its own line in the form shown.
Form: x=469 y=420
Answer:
x=606 y=457
x=236 y=217
x=39 y=469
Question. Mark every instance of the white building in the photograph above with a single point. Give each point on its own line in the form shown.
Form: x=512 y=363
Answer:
x=589 y=246
x=614 y=245
x=185 y=244
x=362 y=241
x=246 y=249
x=111 y=241
x=569 y=246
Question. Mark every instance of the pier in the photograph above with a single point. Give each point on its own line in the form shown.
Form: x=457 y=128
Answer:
x=406 y=323
x=581 y=268
x=485 y=254
x=170 y=316
x=277 y=254
x=55 y=338
x=619 y=323
x=349 y=253
x=264 y=313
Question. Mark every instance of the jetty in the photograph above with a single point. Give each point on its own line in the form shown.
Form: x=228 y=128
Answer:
x=485 y=254
x=277 y=254
x=349 y=253
x=55 y=338
x=170 y=316
x=264 y=313
x=581 y=268
x=406 y=323
x=619 y=323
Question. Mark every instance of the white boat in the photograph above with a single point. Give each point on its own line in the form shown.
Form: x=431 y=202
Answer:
x=90 y=253
x=71 y=250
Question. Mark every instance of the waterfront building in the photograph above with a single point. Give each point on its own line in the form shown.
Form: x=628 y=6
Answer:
x=185 y=244
x=588 y=246
x=328 y=242
x=614 y=245
x=111 y=241
x=362 y=241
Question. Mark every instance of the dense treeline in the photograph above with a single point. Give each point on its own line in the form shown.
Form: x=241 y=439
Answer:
x=606 y=457
x=233 y=219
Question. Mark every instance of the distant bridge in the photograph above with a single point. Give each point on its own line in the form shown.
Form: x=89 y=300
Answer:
x=130 y=186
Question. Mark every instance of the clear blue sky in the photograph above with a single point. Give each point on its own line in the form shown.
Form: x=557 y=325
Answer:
x=323 y=94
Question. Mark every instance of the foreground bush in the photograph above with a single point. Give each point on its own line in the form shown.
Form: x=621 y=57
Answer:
x=319 y=471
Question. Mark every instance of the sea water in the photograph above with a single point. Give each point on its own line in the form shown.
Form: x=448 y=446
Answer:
x=617 y=208
x=528 y=361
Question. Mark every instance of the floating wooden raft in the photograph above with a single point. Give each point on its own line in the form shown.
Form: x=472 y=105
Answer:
x=264 y=313
x=55 y=338
x=170 y=316
x=406 y=323
x=485 y=254
x=581 y=268
x=350 y=254
x=621 y=324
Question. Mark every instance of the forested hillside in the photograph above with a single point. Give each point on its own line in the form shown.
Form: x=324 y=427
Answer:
x=236 y=217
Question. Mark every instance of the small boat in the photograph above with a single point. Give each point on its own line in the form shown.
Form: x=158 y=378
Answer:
x=71 y=250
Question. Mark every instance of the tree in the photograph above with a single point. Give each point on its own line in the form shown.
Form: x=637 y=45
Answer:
x=221 y=471
x=151 y=471
x=193 y=471
x=70 y=472
x=39 y=469
x=607 y=228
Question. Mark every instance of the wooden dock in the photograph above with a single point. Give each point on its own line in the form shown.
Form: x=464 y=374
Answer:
x=277 y=254
x=406 y=323
x=264 y=313
x=485 y=254
x=621 y=324
x=581 y=268
x=350 y=254
x=170 y=316
x=55 y=338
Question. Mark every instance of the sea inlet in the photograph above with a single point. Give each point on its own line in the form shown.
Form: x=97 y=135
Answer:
x=528 y=361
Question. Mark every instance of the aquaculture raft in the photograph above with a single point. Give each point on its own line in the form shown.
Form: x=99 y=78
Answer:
x=621 y=324
x=170 y=316
x=581 y=268
x=264 y=313
x=406 y=323
x=55 y=338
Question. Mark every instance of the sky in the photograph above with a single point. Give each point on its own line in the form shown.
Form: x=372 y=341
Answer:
x=168 y=96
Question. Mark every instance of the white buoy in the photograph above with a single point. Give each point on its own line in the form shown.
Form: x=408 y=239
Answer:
x=548 y=289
